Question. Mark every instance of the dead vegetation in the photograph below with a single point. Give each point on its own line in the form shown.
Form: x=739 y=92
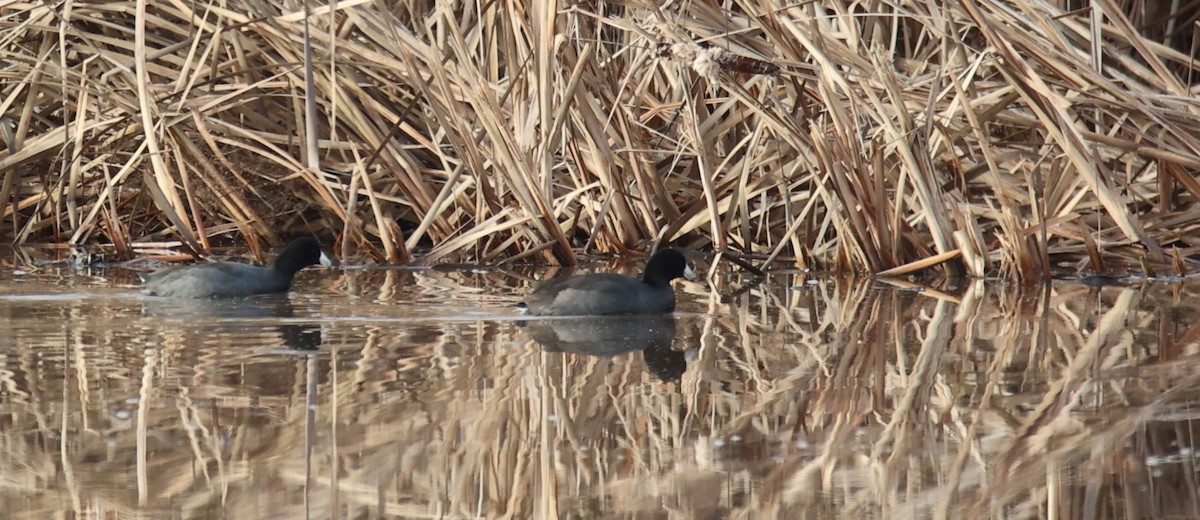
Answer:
x=1014 y=138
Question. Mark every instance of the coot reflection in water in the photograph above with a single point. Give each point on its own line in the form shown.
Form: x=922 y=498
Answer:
x=653 y=335
x=247 y=317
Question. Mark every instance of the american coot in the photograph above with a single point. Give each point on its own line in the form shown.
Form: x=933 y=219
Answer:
x=607 y=293
x=227 y=279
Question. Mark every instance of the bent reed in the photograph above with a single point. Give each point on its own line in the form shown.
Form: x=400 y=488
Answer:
x=984 y=137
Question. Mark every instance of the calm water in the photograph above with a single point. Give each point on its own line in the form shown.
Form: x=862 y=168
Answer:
x=418 y=394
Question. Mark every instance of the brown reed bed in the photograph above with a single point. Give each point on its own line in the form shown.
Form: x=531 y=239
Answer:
x=986 y=137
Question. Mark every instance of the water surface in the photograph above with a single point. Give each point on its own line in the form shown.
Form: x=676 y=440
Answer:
x=402 y=393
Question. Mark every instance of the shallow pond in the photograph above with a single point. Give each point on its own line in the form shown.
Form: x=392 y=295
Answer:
x=419 y=394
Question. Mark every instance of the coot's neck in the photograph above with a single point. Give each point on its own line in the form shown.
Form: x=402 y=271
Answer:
x=286 y=267
x=655 y=281
x=291 y=260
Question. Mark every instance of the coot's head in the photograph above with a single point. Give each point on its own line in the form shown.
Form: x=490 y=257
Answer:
x=301 y=253
x=667 y=265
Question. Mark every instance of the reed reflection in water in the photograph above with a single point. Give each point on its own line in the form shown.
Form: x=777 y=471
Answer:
x=427 y=398
x=241 y=319
x=652 y=335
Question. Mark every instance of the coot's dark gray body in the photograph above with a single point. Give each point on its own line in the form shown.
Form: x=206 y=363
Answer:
x=228 y=279
x=608 y=294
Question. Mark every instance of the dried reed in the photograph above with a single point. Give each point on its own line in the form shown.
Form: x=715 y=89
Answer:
x=984 y=137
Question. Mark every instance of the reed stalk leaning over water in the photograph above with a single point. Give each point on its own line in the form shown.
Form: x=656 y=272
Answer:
x=987 y=137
